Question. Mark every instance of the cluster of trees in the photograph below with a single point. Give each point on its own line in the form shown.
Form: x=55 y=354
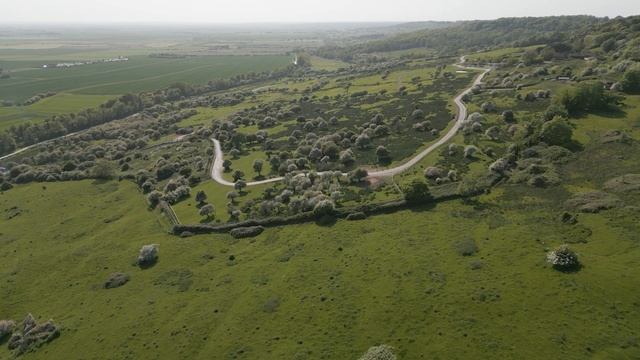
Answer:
x=587 y=97
x=123 y=106
x=474 y=35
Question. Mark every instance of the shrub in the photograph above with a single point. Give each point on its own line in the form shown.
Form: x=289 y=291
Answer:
x=433 y=172
x=470 y=151
x=563 y=258
x=488 y=107
x=116 y=280
x=358 y=175
x=557 y=132
x=148 y=255
x=154 y=198
x=555 y=110
x=207 y=211
x=201 y=196
x=383 y=154
x=324 y=208
x=6 y=328
x=631 y=82
x=466 y=247
x=417 y=191
x=508 y=116
x=244 y=232
x=382 y=352
x=33 y=335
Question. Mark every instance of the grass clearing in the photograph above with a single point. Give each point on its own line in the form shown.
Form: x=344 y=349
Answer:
x=332 y=286
x=63 y=103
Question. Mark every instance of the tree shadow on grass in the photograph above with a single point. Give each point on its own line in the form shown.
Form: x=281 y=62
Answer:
x=421 y=207
x=613 y=112
x=326 y=221
x=147 y=265
x=4 y=339
x=568 y=270
x=100 y=181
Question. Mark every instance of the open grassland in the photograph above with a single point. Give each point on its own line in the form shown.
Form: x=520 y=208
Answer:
x=55 y=105
x=310 y=292
x=140 y=73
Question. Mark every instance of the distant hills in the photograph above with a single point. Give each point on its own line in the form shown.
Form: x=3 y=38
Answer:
x=445 y=38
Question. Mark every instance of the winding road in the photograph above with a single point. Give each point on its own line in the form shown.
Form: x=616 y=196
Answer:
x=217 y=168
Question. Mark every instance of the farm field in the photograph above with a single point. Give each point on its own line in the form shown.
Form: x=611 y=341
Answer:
x=140 y=73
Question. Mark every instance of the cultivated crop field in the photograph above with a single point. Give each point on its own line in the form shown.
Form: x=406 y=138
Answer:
x=140 y=73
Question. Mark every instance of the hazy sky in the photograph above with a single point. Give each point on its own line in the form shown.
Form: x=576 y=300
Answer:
x=217 y=11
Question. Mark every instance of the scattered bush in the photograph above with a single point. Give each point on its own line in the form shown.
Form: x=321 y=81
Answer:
x=116 y=280
x=466 y=247
x=624 y=183
x=148 y=255
x=382 y=352
x=563 y=258
x=244 y=232
x=33 y=335
x=433 y=172
x=593 y=202
x=6 y=328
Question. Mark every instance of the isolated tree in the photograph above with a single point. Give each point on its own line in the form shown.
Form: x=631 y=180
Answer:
x=239 y=185
x=234 y=152
x=557 y=132
x=201 y=197
x=563 y=258
x=257 y=166
x=231 y=196
x=508 y=116
x=383 y=154
x=631 y=82
x=226 y=164
x=237 y=175
x=207 y=211
x=7 y=144
x=358 y=175
x=417 y=192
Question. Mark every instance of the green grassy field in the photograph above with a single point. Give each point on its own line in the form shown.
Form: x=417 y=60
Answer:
x=140 y=73
x=55 y=105
x=311 y=292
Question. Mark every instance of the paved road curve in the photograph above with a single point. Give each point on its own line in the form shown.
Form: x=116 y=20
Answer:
x=217 y=168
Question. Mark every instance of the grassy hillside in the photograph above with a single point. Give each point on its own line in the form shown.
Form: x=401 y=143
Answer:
x=310 y=292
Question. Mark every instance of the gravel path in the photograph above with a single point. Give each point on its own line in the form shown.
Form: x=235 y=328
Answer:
x=217 y=168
